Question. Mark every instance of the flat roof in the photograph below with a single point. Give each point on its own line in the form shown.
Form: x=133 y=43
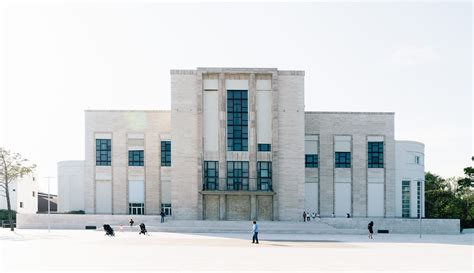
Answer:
x=350 y=113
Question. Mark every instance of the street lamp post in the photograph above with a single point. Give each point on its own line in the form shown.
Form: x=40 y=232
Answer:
x=421 y=202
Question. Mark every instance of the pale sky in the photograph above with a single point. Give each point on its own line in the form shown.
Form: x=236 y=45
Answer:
x=58 y=59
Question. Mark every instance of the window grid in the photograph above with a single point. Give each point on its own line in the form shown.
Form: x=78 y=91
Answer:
x=264 y=175
x=136 y=158
x=418 y=201
x=375 y=154
x=406 y=199
x=343 y=159
x=166 y=208
x=103 y=152
x=311 y=161
x=237 y=120
x=264 y=147
x=237 y=175
x=166 y=153
x=136 y=208
x=211 y=175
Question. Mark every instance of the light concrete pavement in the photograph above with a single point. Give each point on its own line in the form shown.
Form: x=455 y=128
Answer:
x=73 y=250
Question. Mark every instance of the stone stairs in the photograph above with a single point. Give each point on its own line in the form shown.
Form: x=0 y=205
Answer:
x=270 y=227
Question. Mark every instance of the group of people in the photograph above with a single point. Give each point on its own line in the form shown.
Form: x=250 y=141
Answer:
x=307 y=216
x=109 y=231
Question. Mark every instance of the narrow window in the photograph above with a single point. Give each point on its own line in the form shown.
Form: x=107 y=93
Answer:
x=406 y=199
x=264 y=175
x=33 y=194
x=211 y=175
x=237 y=120
x=166 y=208
x=166 y=153
x=21 y=204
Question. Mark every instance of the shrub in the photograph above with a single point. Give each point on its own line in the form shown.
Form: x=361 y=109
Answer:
x=4 y=214
x=77 y=212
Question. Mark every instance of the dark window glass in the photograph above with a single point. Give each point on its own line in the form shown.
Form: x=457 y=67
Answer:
x=264 y=147
x=406 y=199
x=237 y=120
x=166 y=207
x=343 y=159
x=211 y=175
x=166 y=153
x=103 y=152
x=237 y=175
x=136 y=158
x=375 y=154
x=311 y=161
x=136 y=208
x=264 y=175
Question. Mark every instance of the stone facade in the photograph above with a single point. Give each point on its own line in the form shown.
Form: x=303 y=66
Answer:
x=276 y=117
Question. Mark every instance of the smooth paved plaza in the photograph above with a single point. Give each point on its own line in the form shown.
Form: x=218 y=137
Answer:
x=82 y=250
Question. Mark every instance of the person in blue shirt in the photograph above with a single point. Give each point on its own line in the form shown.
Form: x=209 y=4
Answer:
x=255 y=233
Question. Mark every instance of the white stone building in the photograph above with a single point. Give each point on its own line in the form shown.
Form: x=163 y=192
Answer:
x=23 y=195
x=238 y=145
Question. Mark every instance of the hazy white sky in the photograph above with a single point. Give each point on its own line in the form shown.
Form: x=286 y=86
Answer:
x=59 y=59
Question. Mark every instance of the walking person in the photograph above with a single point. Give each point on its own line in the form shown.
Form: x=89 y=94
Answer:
x=131 y=223
x=162 y=214
x=255 y=233
x=371 y=229
x=304 y=216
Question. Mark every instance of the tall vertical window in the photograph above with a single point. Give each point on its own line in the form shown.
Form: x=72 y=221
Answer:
x=264 y=175
x=375 y=154
x=211 y=175
x=237 y=175
x=103 y=152
x=237 y=120
x=343 y=159
x=136 y=158
x=311 y=161
x=166 y=153
x=418 y=199
x=406 y=199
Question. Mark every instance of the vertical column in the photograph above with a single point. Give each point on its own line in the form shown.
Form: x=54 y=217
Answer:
x=222 y=208
x=252 y=134
x=253 y=207
x=222 y=132
x=326 y=169
x=275 y=148
x=119 y=173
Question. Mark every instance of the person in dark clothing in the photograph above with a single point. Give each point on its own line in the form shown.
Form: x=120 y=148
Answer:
x=131 y=223
x=371 y=229
x=162 y=214
x=304 y=216
x=255 y=233
x=109 y=230
x=143 y=229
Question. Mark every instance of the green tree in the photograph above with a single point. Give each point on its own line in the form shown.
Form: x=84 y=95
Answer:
x=12 y=168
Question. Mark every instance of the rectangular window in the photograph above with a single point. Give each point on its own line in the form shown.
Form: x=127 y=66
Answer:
x=237 y=120
x=166 y=208
x=211 y=175
x=33 y=194
x=21 y=204
x=166 y=153
x=237 y=175
x=375 y=154
x=264 y=175
x=264 y=147
x=343 y=159
x=417 y=159
x=136 y=158
x=136 y=208
x=406 y=199
x=103 y=152
x=311 y=161
x=418 y=199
